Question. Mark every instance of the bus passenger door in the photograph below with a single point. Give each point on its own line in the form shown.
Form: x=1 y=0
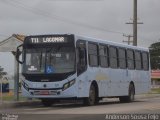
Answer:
x=81 y=60
x=81 y=57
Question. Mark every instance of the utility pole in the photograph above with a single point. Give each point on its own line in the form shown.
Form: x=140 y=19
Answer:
x=135 y=22
x=16 y=78
x=129 y=39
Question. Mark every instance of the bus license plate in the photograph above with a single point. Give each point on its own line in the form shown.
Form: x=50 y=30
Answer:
x=44 y=92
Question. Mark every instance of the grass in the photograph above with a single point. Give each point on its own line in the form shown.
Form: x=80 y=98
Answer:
x=155 y=91
x=10 y=97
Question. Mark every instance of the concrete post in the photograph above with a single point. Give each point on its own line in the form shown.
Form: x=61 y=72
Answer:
x=16 y=80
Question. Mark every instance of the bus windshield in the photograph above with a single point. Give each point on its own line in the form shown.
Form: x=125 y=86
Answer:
x=50 y=60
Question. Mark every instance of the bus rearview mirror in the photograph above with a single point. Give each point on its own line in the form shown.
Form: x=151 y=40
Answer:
x=18 y=53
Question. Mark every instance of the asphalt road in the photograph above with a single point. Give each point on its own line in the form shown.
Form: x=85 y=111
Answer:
x=76 y=111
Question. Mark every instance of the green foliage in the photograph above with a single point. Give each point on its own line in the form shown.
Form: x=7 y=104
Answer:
x=155 y=55
x=155 y=90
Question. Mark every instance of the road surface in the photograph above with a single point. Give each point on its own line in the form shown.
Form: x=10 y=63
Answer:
x=72 y=111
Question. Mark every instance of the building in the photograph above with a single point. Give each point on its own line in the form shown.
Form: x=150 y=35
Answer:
x=155 y=78
x=10 y=45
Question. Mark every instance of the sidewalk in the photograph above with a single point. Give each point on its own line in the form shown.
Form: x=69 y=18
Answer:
x=5 y=104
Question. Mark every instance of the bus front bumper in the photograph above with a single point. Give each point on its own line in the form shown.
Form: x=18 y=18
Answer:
x=39 y=93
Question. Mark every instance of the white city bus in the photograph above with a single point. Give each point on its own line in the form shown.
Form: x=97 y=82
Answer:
x=67 y=66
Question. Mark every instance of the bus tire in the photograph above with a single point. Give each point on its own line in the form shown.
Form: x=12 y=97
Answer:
x=92 y=99
x=131 y=95
x=47 y=102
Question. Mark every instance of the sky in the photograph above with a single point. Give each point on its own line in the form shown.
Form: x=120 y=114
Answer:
x=103 y=19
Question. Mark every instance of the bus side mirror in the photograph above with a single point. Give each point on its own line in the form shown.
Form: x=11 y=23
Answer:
x=18 y=53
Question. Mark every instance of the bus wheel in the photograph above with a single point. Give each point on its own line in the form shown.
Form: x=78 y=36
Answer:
x=91 y=100
x=47 y=102
x=130 y=97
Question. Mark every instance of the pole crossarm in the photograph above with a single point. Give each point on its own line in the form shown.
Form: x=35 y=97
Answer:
x=134 y=23
x=129 y=39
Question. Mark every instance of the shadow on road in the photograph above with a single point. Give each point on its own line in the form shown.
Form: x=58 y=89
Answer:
x=66 y=104
x=80 y=104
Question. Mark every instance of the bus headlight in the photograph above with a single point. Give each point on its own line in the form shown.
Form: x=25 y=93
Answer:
x=25 y=86
x=68 y=84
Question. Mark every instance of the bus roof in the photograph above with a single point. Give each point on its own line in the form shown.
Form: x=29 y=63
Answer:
x=97 y=40
x=110 y=43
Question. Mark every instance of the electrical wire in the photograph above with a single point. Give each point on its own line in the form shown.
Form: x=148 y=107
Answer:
x=2 y=35
x=40 y=12
x=55 y=17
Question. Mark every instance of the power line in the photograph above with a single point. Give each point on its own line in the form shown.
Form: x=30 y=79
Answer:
x=58 y=18
x=2 y=35
x=76 y=0
x=55 y=17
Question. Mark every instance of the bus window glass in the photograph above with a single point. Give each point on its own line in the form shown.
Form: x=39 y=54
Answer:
x=93 y=54
x=138 y=62
x=122 y=58
x=130 y=59
x=58 y=56
x=34 y=61
x=81 y=56
x=103 y=56
x=145 y=61
x=113 y=57
x=50 y=60
x=28 y=59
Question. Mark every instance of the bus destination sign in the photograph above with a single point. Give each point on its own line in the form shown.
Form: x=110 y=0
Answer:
x=39 y=40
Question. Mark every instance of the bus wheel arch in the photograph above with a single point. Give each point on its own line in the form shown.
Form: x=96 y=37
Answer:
x=96 y=90
x=93 y=94
x=131 y=94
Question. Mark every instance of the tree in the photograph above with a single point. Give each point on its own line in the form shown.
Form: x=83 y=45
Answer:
x=2 y=73
x=155 y=55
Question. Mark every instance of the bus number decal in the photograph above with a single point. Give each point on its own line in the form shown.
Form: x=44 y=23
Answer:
x=34 y=40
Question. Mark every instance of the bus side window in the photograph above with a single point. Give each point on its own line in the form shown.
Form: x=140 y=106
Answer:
x=103 y=56
x=138 y=60
x=145 y=60
x=93 y=54
x=122 y=58
x=81 y=57
x=130 y=59
x=113 y=57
